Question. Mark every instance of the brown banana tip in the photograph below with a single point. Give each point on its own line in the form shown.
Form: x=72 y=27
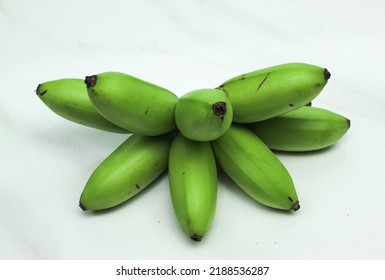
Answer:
x=296 y=206
x=37 y=89
x=219 y=109
x=90 y=81
x=349 y=122
x=39 y=92
x=196 y=237
x=327 y=74
x=82 y=206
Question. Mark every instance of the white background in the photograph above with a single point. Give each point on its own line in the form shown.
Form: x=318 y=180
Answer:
x=185 y=45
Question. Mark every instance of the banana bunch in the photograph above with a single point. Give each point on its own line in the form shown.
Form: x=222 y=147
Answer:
x=236 y=127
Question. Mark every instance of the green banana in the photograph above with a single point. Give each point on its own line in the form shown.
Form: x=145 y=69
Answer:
x=272 y=91
x=133 y=104
x=204 y=114
x=193 y=185
x=255 y=169
x=129 y=169
x=303 y=129
x=69 y=99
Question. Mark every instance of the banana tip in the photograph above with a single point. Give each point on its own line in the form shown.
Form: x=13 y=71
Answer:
x=296 y=206
x=196 y=237
x=220 y=109
x=90 y=81
x=349 y=123
x=38 y=90
x=82 y=206
x=327 y=74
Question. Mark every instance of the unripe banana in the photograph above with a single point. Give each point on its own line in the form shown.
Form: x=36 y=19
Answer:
x=135 y=164
x=303 y=129
x=272 y=91
x=193 y=185
x=204 y=114
x=133 y=104
x=255 y=169
x=69 y=99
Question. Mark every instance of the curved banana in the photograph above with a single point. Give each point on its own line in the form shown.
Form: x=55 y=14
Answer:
x=135 y=164
x=272 y=91
x=255 y=169
x=303 y=129
x=204 y=114
x=69 y=99
x=133 y=104
x=193 y=185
